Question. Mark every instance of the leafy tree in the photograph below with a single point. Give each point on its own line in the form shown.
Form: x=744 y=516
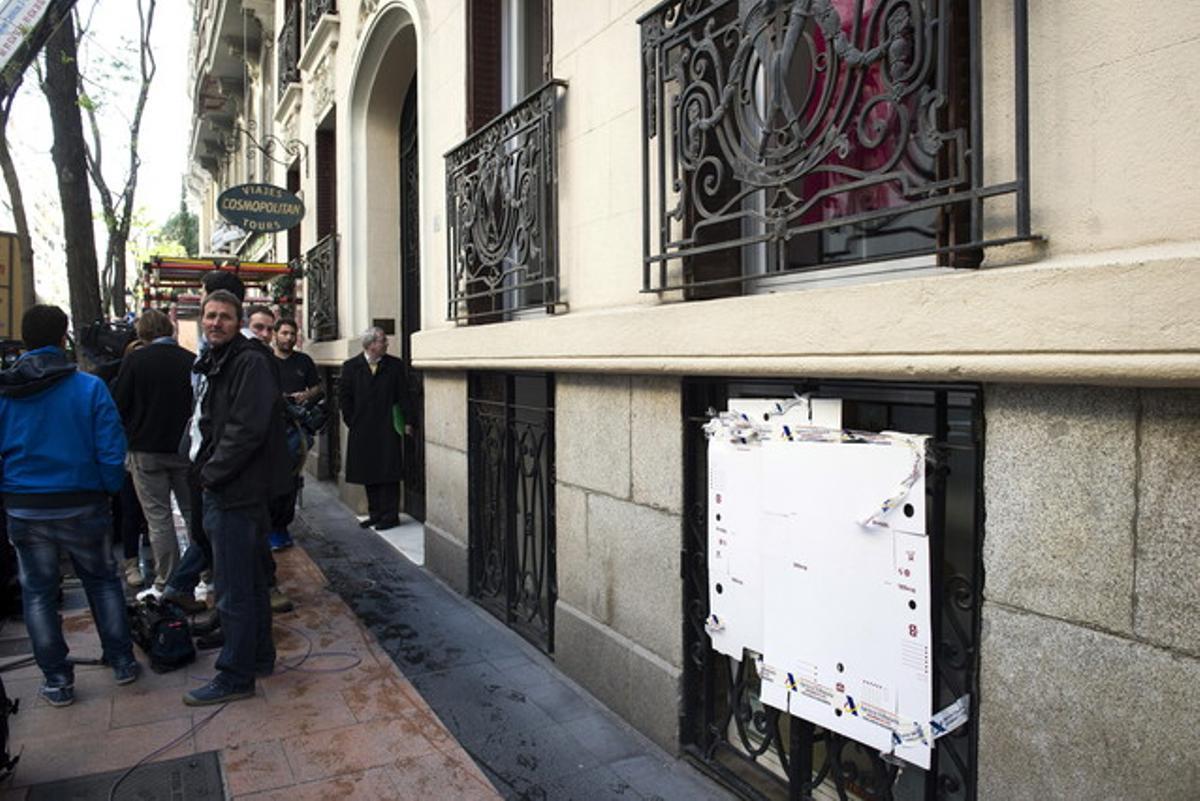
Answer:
x=117 y=206
x=60 y=84
x=183 y=227
x=16 y=198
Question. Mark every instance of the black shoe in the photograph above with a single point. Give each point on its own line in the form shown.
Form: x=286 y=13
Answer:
x=370 y=521
x=391 y=522
x=262 y=671
x=215 y=692
x=214 y=639
x=206 y=622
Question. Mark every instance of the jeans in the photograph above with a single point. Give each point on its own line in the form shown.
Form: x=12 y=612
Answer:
x=155 y=477
x=85 y=539
x=243 y=600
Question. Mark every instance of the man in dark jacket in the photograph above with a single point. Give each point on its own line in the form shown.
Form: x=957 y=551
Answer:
x=241 y=439
x=153 y=392
x=63 y=455
x=371 y=385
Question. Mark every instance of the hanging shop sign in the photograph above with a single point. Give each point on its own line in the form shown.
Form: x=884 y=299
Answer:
x=260 y=208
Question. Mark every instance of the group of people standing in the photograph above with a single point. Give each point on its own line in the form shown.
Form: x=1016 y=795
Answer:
x=209 y=430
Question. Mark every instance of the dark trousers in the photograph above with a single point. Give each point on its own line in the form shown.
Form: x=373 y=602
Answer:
x=383 y=502
x=130 y=522
x=283 y=509
x=198 y=557
x=243 y=599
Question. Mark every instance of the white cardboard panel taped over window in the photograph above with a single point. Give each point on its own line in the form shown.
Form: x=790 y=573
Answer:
x=734 y=546
x=845 y=607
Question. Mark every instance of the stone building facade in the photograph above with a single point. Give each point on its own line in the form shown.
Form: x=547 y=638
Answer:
x=1050 y=341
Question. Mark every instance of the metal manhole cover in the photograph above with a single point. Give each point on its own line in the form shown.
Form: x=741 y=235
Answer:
x=189 y=778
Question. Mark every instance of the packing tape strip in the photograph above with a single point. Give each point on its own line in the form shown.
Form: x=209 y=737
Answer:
x=941 y=724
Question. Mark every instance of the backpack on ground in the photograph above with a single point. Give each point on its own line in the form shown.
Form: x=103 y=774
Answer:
x=162 y=631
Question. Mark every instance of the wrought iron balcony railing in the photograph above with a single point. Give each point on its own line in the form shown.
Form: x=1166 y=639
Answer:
x=320 y=277
x=316 y=10
x=289 y=50
x=502 y=214
x=789 y=135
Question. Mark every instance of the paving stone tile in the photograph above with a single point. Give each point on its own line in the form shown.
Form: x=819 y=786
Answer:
x=71 y=754
x=350 y=749
x=597 y=784
x=437 y=775
x=148 y=705
x=384 y=698
x=255 y=720
x=607 y=739
x=255 y=767
x=371 y=785
x=36 y=720
x=561 y=702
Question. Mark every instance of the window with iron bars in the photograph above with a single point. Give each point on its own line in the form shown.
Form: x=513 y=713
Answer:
x=501 y=202
x=789 y=136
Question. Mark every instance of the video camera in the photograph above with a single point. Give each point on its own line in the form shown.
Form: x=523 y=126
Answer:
x=105 y=340
x=312 y=416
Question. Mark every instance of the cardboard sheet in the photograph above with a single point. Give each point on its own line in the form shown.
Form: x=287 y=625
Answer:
x=827 y=543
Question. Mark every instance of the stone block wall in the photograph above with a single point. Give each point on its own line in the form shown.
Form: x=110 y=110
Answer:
x=446 y=508
x=1091 y=639
x=618 y=624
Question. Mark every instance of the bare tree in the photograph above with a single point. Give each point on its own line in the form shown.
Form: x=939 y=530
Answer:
x=12 y=182
x=61 y=87
x=118 y=207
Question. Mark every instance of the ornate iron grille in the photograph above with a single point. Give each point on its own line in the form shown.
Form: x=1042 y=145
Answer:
x=789 y=135
x=410 y=315
x=316 y=10
x=762 y=753
x=502 y=213
x=289 y=49
x=512 y=540
x=320 y=274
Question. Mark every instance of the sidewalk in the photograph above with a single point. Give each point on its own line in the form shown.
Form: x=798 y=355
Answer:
x=535 y=733
x=344 y=724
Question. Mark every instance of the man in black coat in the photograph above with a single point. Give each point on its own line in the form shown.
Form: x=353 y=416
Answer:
x=371 y=385
x=242 y=442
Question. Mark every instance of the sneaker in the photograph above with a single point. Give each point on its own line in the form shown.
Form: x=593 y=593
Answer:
x=149 y=592
x=133 y=572
x=188 y=604
x=280 y=603
x=215 y=692
x=280 y=540
x=127 y=673
x=211 y=641
x=203 y=590
x=58 y=696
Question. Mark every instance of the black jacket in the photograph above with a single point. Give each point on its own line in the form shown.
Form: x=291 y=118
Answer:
x=243 y=454
x=153 y=392
x=373 y=449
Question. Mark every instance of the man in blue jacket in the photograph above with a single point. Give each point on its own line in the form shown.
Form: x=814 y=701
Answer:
x=62 y=454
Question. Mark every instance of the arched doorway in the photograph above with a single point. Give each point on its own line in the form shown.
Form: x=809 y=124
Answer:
x=383 y=251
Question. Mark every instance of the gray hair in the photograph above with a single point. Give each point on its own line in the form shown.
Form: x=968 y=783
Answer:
x=371 y=334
